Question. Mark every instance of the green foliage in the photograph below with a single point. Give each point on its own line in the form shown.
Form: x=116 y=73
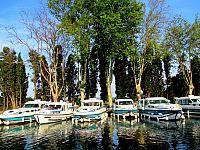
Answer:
x=13 y=80
x=196 y=74
x=45 y=89
x=120 y=73
x=152 y=82
x=71 y=77
x=35 y=65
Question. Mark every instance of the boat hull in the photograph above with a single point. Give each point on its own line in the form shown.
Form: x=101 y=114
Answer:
x=15 y=119
x=191 y=112
x=90 y=115
x=126 y=113
x=172 y=115
x=50 y=118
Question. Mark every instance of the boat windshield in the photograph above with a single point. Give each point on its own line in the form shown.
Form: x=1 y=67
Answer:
x=93 y=104
x=31 y=106
x=158 y=101
x=50 y=107
x=196 y=100
x=125 y=103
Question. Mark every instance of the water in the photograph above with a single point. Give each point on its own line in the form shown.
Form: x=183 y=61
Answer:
x=107 y=135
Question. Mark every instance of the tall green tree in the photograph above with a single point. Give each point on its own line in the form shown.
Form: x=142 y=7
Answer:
x=120 y=72
x=71 y=76
x=116 y=24
x=75 y=17
x=22 y=80
x=13 y=81
x=196 y=74
x=35 y=65
x=45 y=89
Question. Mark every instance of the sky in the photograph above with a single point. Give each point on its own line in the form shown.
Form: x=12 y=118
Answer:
x=10 y=16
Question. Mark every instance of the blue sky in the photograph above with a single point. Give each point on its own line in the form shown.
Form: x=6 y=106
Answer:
x=10 y=16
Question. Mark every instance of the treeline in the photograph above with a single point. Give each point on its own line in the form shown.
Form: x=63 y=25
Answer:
x=82 y=43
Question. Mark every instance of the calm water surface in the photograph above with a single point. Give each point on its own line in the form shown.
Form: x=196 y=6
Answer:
x=108 y=135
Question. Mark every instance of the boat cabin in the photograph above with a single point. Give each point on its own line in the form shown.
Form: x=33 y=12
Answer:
x=124 y=102
x=194 y=100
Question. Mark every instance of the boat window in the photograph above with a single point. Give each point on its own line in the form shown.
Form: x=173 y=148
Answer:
x=58 y=106
x=31 y=105
x=125 y=103
x=184 y=101
x=163 y=101
x=196 y=100
x=42 y=105
x=86 y=104
x=50 y=107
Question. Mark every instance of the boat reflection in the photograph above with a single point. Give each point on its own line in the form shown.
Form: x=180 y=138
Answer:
x=17 y=129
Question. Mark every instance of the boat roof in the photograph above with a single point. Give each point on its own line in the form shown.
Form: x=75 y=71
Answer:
x=156 y=98
x=36 y=101
x=57 y=103
x=124 y=99
x=92 y=100
x=188 y=97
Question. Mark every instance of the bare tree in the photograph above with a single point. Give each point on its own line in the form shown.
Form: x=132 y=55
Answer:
x=43 y=36
x=151 y=34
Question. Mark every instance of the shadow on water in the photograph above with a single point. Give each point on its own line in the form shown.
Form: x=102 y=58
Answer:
x=108 y=134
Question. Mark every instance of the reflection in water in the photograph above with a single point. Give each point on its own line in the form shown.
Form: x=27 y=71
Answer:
x=110 y=134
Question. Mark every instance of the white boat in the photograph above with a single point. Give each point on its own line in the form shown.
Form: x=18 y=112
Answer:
x=21 y=115
x=54 y=112
x=125 y=108
x=91 y=109
x=159 y=108
x=190 y=105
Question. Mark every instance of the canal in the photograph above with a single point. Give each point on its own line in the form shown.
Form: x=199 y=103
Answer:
x=109 y=134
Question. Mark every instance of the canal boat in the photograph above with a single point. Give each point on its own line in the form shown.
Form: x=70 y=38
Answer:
x=54 y=112
x=21 y=115
x=90 y=110
x=159 y=108
x=125 y=108
x=190 y=105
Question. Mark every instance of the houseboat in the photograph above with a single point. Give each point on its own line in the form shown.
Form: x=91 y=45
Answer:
x=190 y=105
x=21 y=115
x=90 y=110
x=54 y=112
x=159 y=108
x=125 y=108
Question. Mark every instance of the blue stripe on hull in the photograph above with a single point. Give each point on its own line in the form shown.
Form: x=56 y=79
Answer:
x=156 y=112
x=125 y=111
x=87 y=116
x=27 y=118
x=192 y=110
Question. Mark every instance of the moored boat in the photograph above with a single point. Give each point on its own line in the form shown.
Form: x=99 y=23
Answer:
x=190 y=105
x=159 y=108
x=54 y=112
x=125 y=108
x=90 y=110
x=21 y=115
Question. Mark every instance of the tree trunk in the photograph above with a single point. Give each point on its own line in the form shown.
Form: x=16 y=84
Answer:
x=138 y=90
x=7 y=103
x=82 y=89
x=108 y=82
x=82 y=92
x=4 y=103
x=13 y=102
x=34 y=96
x=20 y=97
x=55 y=97
x=191 y=88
